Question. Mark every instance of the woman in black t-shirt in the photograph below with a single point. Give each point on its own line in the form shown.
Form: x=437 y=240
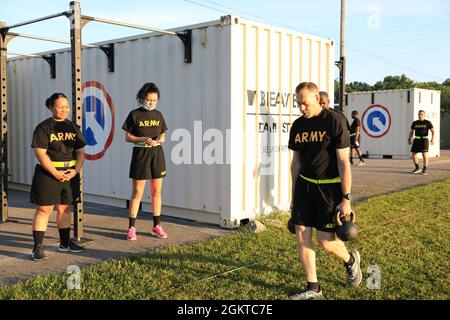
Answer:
x=58 y=145
x=145 y=127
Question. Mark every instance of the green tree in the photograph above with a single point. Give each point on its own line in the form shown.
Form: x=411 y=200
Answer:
x=358 y=86
x=394 y=82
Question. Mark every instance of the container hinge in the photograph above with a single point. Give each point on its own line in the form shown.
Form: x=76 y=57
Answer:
x=225 y=21
x=186 y=38
x=109 y=51
x=51 y=59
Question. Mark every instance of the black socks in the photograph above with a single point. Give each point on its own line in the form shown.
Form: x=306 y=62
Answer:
x=314 y=286
x=155 y=220
x=64 y=236
x=350 y=261
x=131 y=222
x=38 y=237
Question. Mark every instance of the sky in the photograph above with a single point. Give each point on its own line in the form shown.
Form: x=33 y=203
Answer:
x=382 y=37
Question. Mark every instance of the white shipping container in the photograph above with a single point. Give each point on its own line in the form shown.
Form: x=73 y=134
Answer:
x=386 y=118
x=228 y=112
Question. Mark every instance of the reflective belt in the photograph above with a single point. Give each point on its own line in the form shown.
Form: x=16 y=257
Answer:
x=64 y=164
x=418 y=137
x=323 y=181
x=145 y=145
x=352 y=134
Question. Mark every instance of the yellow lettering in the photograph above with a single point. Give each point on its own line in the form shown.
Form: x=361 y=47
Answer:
x=60 y=136
x=314 y=136
x=297 y=138
x=305 y=137
x=53 y=137
x=141 y=124
x=70 y=136
x=154 y=123
x=321 y=135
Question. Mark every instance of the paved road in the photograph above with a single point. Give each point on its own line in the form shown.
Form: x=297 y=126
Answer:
x=106 y=225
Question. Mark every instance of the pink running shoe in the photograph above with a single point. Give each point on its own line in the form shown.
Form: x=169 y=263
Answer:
x=158 y=232
x=131 y=234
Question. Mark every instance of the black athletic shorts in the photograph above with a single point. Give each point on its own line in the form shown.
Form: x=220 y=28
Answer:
x=353 y=143
x=46 y=190
x=315 y=204
x=420 y=145
x=148 y=163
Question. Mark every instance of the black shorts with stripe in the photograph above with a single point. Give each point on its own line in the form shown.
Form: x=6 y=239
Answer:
x=148 y=163
x=354 y=144
x=420 y=145
x=314 y=205
x=46 y=190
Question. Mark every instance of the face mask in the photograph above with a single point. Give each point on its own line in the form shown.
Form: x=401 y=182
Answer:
x=147 y=107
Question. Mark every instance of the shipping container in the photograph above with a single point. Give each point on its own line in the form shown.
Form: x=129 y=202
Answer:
x=386 y=117
x=228 y=112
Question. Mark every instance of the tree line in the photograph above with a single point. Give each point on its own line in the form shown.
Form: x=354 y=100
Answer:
x=400 y=82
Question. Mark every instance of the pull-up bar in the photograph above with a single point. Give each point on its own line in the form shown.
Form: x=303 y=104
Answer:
x=28 y=55
x=185 y=36
x=65 y=13
x=128 y=25
x=108 y=49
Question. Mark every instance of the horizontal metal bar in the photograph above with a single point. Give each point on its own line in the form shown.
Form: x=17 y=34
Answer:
x=28 y=36
x=24 y=54
x=129 y=25
x=38 y=19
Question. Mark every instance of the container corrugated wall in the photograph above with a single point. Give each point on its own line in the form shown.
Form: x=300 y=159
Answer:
x=402 y=106
x=268 y=64
x=210 y=99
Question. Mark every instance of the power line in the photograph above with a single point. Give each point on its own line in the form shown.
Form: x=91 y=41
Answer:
x=246 y=14
x=355 y=48
x=405 y=52
x=367 y=53
x=407 y=41
x=403 y=29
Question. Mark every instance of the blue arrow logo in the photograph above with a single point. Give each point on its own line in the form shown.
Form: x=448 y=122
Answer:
x=376 y=121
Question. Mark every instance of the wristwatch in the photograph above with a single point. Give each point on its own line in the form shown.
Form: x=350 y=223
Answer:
x=348 y=196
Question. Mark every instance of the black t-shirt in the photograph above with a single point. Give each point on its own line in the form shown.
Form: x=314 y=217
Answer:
x=342 y=115
x=145 y=123
x=317 y=139
x=59 y=138
x=421 y=128
x=355 y=124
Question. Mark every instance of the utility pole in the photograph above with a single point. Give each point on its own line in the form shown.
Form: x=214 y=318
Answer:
x=341 y=63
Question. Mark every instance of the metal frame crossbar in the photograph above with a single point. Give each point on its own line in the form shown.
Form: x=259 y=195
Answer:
x=77 y=22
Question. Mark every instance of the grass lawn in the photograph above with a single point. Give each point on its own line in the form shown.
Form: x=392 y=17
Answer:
x=406 y=234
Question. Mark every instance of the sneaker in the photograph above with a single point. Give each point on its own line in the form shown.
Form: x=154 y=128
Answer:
x=306 y=294
x=361 y=163
x=39 y=254
x=417 y=170
x=72 y=247
x=131 y=234
x=158 y=232
x=424 y=172
x=354 y=274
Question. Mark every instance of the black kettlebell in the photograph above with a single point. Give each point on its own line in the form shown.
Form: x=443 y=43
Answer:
x=346 y=229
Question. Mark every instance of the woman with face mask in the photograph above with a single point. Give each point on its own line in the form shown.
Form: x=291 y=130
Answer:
x=145 y=127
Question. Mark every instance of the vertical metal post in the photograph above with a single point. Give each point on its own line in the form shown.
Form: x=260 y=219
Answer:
x=77 y=103
x=4 y=126
x=342 y=61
